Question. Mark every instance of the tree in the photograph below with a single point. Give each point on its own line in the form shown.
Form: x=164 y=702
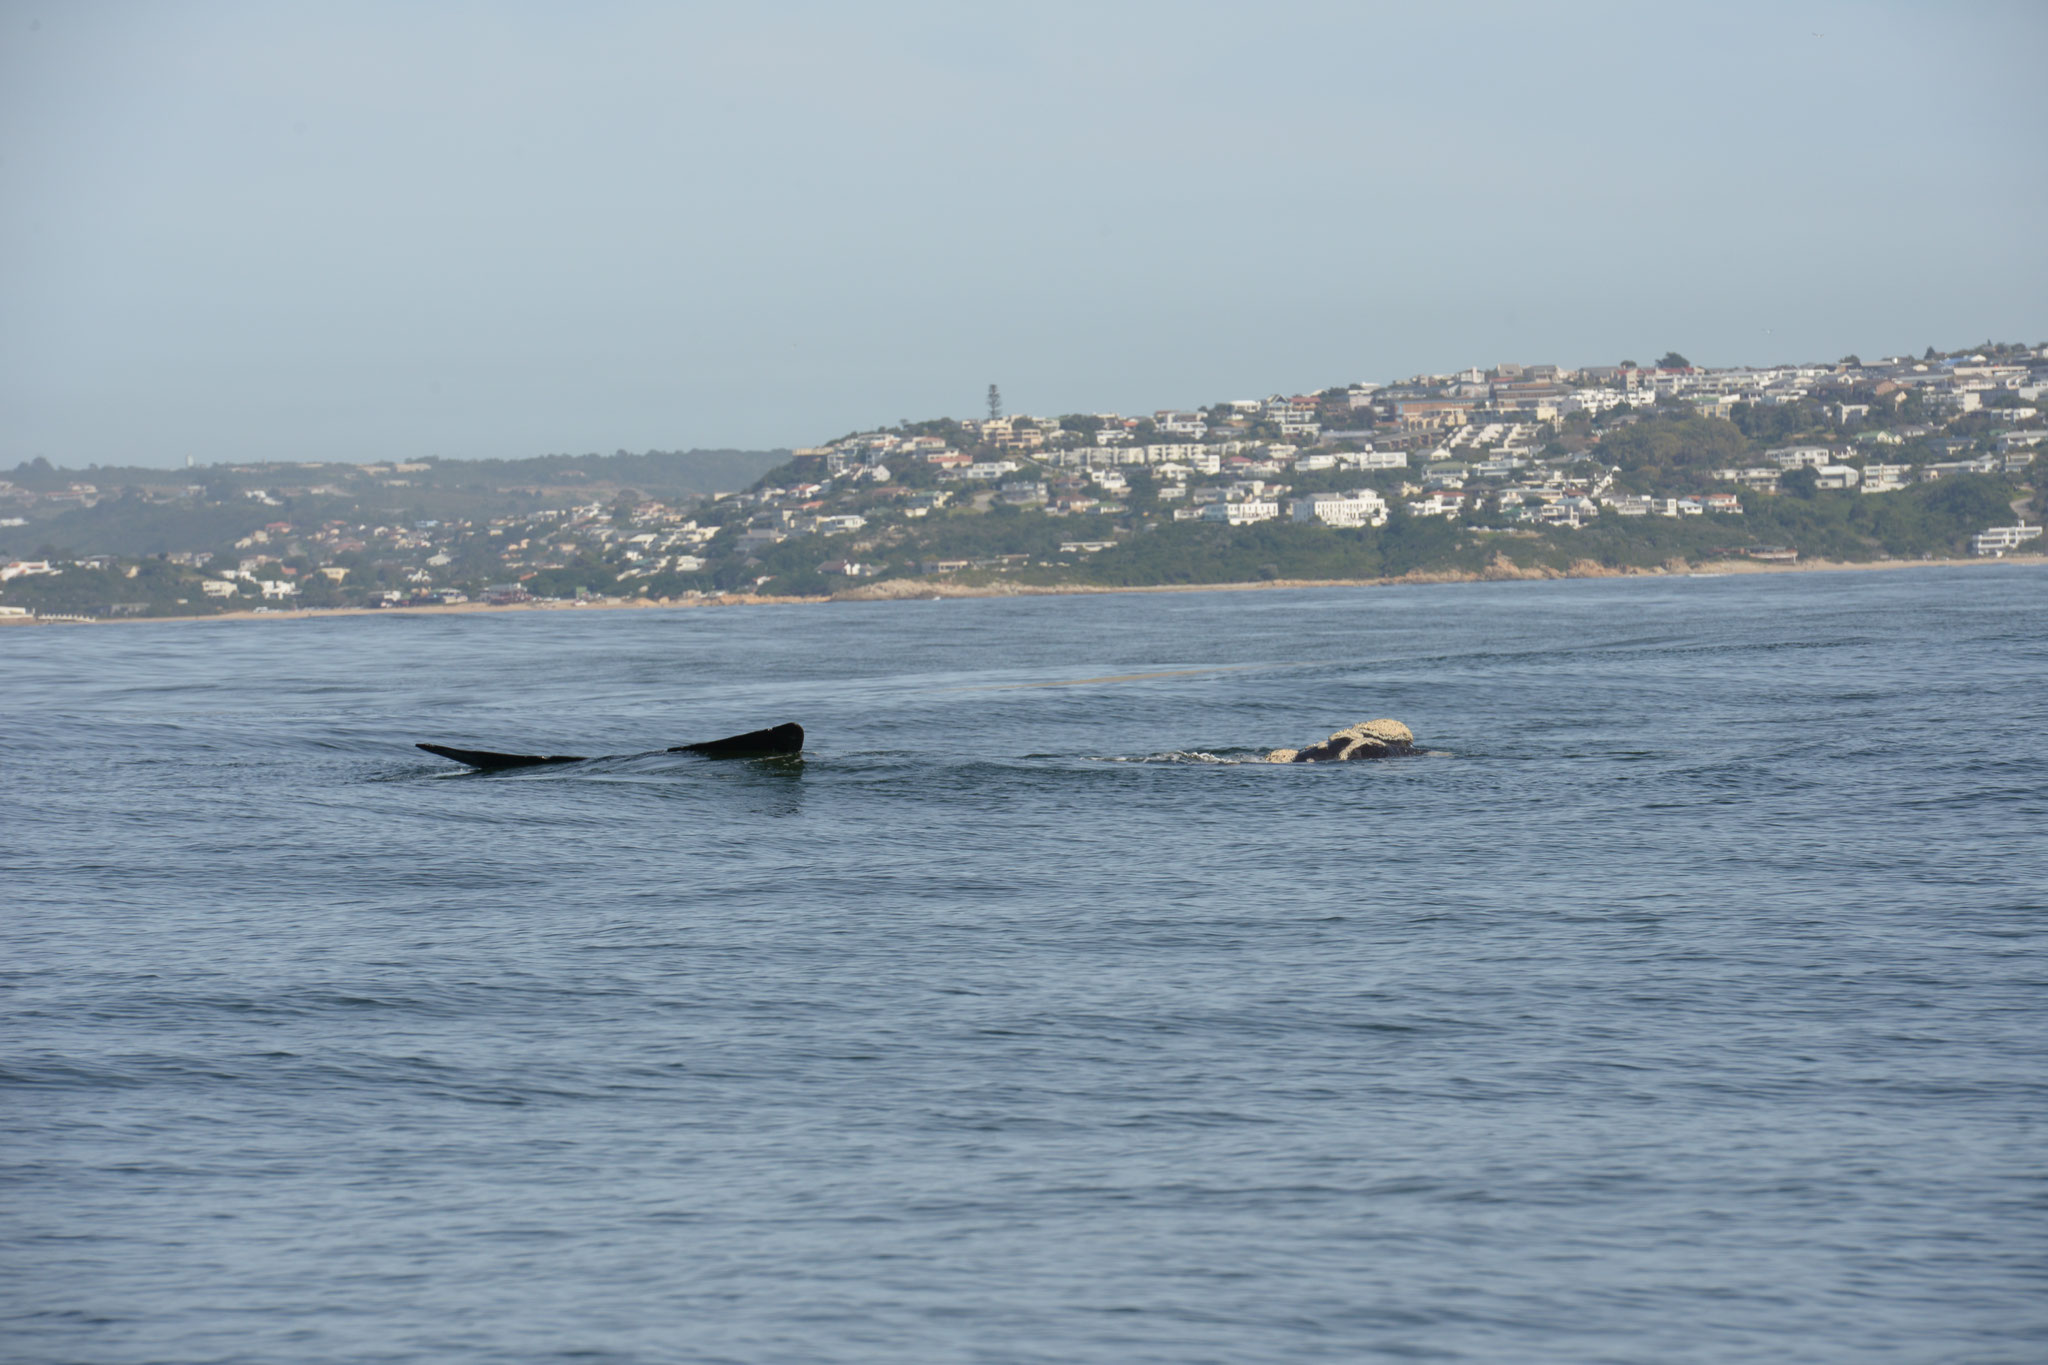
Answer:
x=1674 y=361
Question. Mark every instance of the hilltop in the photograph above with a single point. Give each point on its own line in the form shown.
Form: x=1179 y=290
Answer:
x=1508 y=469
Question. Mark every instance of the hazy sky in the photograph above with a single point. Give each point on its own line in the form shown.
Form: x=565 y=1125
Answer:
x=358 y=231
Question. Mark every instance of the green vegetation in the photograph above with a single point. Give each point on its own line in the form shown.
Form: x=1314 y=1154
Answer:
x=1524 y=470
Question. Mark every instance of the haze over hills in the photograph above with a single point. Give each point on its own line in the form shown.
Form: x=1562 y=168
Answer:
x=139 y=510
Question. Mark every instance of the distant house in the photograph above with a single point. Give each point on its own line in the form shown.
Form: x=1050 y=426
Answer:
x=1794 y=457
x=1998 y=540
x=1760 y=477
x=1442 y=503
x=1242 y=513
x=1361 y=508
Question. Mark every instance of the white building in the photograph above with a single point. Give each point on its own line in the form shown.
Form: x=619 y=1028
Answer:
x=1241 y=513
x=1886 y=478
x=1439 y=504
x=1763 y=478
x=1361 y=508
x=1372 y=459
x=1836 y=476
x=1999 y=539
x=1792 y=457
x=26 y=568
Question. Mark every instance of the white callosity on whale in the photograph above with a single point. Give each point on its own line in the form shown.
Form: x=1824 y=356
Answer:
x=1367 y=739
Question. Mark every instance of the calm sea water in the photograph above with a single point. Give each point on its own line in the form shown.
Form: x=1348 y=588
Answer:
x=1689 y=1002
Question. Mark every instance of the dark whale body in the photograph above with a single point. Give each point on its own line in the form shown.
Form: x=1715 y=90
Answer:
x=779 y=741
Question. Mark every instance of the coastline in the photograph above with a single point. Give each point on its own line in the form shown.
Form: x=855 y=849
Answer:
x=912 y=590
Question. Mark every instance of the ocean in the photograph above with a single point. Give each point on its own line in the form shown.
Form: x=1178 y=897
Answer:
x=1686 y=1000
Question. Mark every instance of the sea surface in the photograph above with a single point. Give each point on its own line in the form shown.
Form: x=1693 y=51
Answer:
x=1687 y=1001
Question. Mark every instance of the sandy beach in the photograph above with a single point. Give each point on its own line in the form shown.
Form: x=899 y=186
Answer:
x=912 y=589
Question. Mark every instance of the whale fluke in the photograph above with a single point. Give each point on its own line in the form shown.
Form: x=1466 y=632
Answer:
x=779 y=741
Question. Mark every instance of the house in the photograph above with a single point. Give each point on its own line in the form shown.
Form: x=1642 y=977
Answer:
x=1792 y=457
x=1360 y=508
x=1722 y=504
x=1997 y=540
x=1568 y=512
x=1242 y=513
x=1442 y=503
x=1837 y=476
x=1986 y=464
x=1294 y=416
x=1762 y=478
x=1886 y=478
x=1372 y=459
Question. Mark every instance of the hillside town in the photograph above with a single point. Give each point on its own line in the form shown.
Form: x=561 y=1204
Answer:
x=1531 y=465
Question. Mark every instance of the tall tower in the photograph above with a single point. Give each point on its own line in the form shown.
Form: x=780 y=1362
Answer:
x=995 y=403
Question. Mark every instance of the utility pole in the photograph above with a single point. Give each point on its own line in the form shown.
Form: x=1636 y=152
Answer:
x=995 y=404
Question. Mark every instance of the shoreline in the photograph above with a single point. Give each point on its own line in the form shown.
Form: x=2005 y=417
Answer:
x=914 y=590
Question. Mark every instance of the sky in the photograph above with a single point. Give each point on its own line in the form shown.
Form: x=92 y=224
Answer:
x=365 y=231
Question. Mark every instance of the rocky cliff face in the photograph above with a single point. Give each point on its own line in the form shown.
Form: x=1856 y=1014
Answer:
x=1367 y=739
